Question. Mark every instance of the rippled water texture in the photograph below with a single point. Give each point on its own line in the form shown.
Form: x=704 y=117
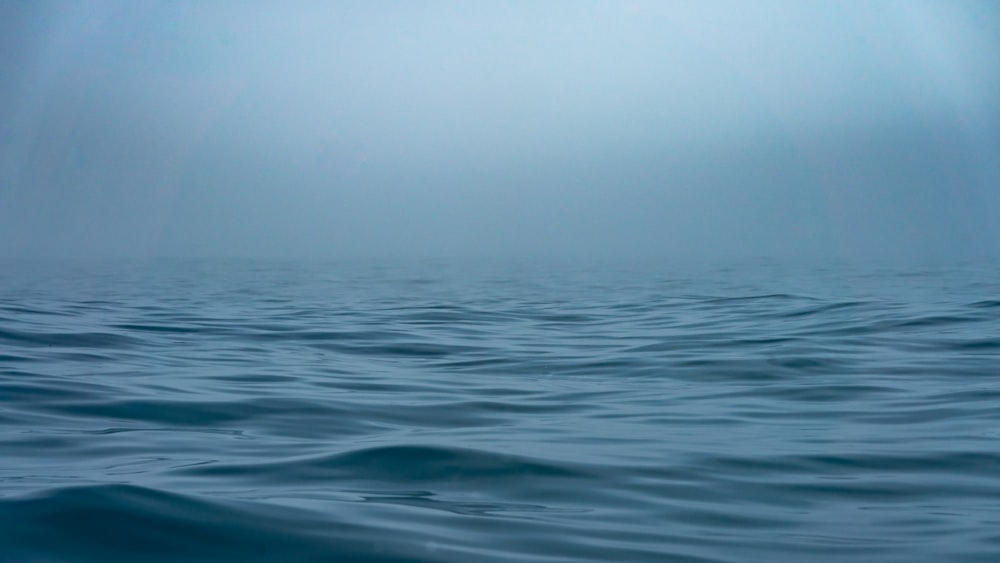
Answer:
x=186 y=411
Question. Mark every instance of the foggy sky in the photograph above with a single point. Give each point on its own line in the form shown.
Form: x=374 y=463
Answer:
x=563 y=128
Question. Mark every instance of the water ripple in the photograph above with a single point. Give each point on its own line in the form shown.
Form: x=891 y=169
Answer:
x=211 y=411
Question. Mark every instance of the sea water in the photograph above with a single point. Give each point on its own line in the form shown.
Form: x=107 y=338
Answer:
x=254 y=410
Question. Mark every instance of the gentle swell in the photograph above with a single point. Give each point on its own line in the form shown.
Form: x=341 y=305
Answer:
x=254 y=411
x=108 y=522
x=409 y=464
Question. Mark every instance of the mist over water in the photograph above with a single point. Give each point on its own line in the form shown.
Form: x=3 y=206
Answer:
x=650 y=129
x=499 y=281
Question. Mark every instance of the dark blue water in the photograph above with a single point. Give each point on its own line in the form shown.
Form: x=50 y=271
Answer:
x=268 y=411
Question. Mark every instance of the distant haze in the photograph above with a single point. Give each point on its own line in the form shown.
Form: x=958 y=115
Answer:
x=648 y=129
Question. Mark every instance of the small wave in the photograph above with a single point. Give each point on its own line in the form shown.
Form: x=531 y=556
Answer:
x=972 y=463
x=446 y=466
x=933 y=321
x=68 y=339
x=24 y=310
x=36 y=389
x=101 y=523
x=978 y=345
x=163 y=328
x=429 y=500
x=762 y=297
x=825 y=309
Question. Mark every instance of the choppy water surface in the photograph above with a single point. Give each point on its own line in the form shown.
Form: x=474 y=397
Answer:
x=293 y=412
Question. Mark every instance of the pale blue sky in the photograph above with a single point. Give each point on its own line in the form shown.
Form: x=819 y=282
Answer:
x=644 y=128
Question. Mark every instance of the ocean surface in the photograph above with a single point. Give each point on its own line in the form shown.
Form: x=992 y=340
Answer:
x=522 y=412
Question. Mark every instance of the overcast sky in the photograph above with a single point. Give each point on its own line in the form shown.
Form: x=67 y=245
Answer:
x=544 y=128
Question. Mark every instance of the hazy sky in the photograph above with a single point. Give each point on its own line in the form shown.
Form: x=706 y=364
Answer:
x=375 y=128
